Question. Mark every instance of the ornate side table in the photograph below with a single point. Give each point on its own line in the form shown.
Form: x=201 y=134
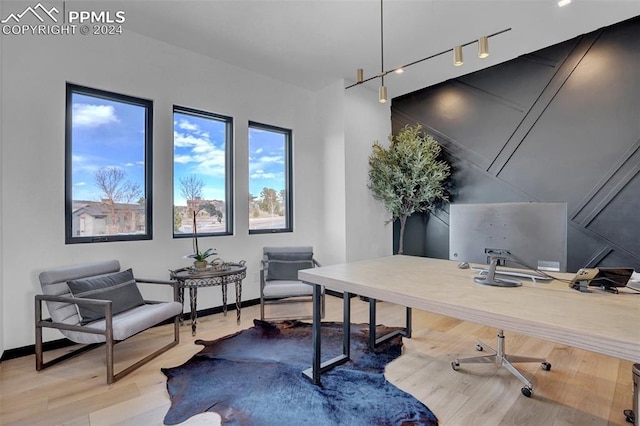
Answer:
x=192 y=279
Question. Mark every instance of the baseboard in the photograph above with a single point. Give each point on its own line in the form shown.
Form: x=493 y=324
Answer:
x=63 y=343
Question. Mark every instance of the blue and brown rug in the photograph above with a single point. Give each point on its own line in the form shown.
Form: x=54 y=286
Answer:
x=254 y=377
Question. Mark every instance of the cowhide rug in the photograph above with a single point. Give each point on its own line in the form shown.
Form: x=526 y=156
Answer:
x=254 y=377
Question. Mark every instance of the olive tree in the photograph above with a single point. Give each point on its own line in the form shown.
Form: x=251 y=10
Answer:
x=408 y=176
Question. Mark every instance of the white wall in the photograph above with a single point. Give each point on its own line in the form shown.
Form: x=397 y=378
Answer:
x=330 y=118
x=333 y=133
x=354 y=223
x=367 y=121
x=35 y=70
x=3 y=180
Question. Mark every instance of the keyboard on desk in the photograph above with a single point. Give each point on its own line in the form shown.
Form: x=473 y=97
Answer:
x=532 y=275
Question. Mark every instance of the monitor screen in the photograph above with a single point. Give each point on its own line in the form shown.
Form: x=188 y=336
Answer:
x=534 y=233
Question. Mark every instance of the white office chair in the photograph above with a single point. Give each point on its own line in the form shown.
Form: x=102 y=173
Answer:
x=279 y=282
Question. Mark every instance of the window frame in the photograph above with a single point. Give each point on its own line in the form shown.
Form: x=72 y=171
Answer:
x=288 y=175
x=147 y=104
x=228 y=144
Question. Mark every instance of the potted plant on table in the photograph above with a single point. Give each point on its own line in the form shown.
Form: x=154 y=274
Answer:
x=200 y=262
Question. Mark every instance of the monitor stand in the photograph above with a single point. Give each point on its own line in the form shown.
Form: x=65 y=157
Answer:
x=490 y=278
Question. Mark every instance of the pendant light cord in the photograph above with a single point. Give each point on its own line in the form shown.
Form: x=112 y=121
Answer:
x=382 y=42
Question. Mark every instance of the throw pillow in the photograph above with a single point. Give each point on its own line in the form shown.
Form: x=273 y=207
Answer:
x=120 y=288
x=285 y=266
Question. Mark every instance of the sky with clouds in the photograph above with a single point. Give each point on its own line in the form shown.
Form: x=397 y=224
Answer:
x=105 y=134
x=111 y=134
x=199 y=149
x=266 y=160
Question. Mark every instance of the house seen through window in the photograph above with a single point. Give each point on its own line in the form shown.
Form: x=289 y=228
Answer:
x=108 y=166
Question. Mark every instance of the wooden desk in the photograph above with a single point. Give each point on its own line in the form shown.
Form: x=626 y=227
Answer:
x=600 y=322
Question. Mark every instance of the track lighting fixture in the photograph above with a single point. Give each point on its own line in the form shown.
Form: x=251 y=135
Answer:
x=483 y=52
x=457 y=56
x=382 y=94
x=483 y=47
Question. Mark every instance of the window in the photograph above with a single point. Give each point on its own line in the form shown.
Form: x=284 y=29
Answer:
x=202 y=173
x=108 y=166
x=270 y=200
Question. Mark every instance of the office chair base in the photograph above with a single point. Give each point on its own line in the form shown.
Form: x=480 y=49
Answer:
x=501 y=359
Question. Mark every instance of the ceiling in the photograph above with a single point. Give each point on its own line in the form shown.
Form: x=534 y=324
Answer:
x=313 y=43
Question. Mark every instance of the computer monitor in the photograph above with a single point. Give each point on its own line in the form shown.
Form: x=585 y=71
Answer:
x=533 y=234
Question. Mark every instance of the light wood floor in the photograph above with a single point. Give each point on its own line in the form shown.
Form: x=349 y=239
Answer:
x=582 y=388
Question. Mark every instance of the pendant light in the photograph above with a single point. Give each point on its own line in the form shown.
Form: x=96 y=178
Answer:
x=457 y=56
x=382 y=92
x=483 y=47
x=483 y=52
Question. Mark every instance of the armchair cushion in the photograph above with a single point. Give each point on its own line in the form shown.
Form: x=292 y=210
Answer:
x=277 y=289
x=120 y=288
x=285 y=266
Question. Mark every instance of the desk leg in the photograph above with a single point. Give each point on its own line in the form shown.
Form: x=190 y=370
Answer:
x=224 y=298
x=408 y=324
x=238 y=300
x=193 y=294
x=316 y=335
x=372 y=323
x=373 y=341
x=346 y=325
x=318 y=367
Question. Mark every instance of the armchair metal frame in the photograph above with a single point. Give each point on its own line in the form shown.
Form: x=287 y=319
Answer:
x=265 y=300
x=107 y=331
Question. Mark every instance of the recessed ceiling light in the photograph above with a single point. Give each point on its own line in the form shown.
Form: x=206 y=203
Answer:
x=563 y=2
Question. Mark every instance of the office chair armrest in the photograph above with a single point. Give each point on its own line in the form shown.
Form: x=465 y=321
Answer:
x=315 y=262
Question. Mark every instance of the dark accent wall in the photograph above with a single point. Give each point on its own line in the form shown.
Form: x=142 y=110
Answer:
x=558 y=125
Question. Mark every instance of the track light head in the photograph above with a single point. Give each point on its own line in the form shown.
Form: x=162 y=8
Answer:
x=457 y=56
x=483 y=52
x=382 y=94
x=483 y=47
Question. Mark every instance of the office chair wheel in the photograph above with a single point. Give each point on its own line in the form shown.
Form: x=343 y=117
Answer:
x=455 y=365
x=527 y=392
x=546 y=366
x=629 y=415
x=479 y=347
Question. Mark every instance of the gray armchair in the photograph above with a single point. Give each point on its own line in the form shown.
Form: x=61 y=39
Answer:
x=95 y=303
x=279 y=278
